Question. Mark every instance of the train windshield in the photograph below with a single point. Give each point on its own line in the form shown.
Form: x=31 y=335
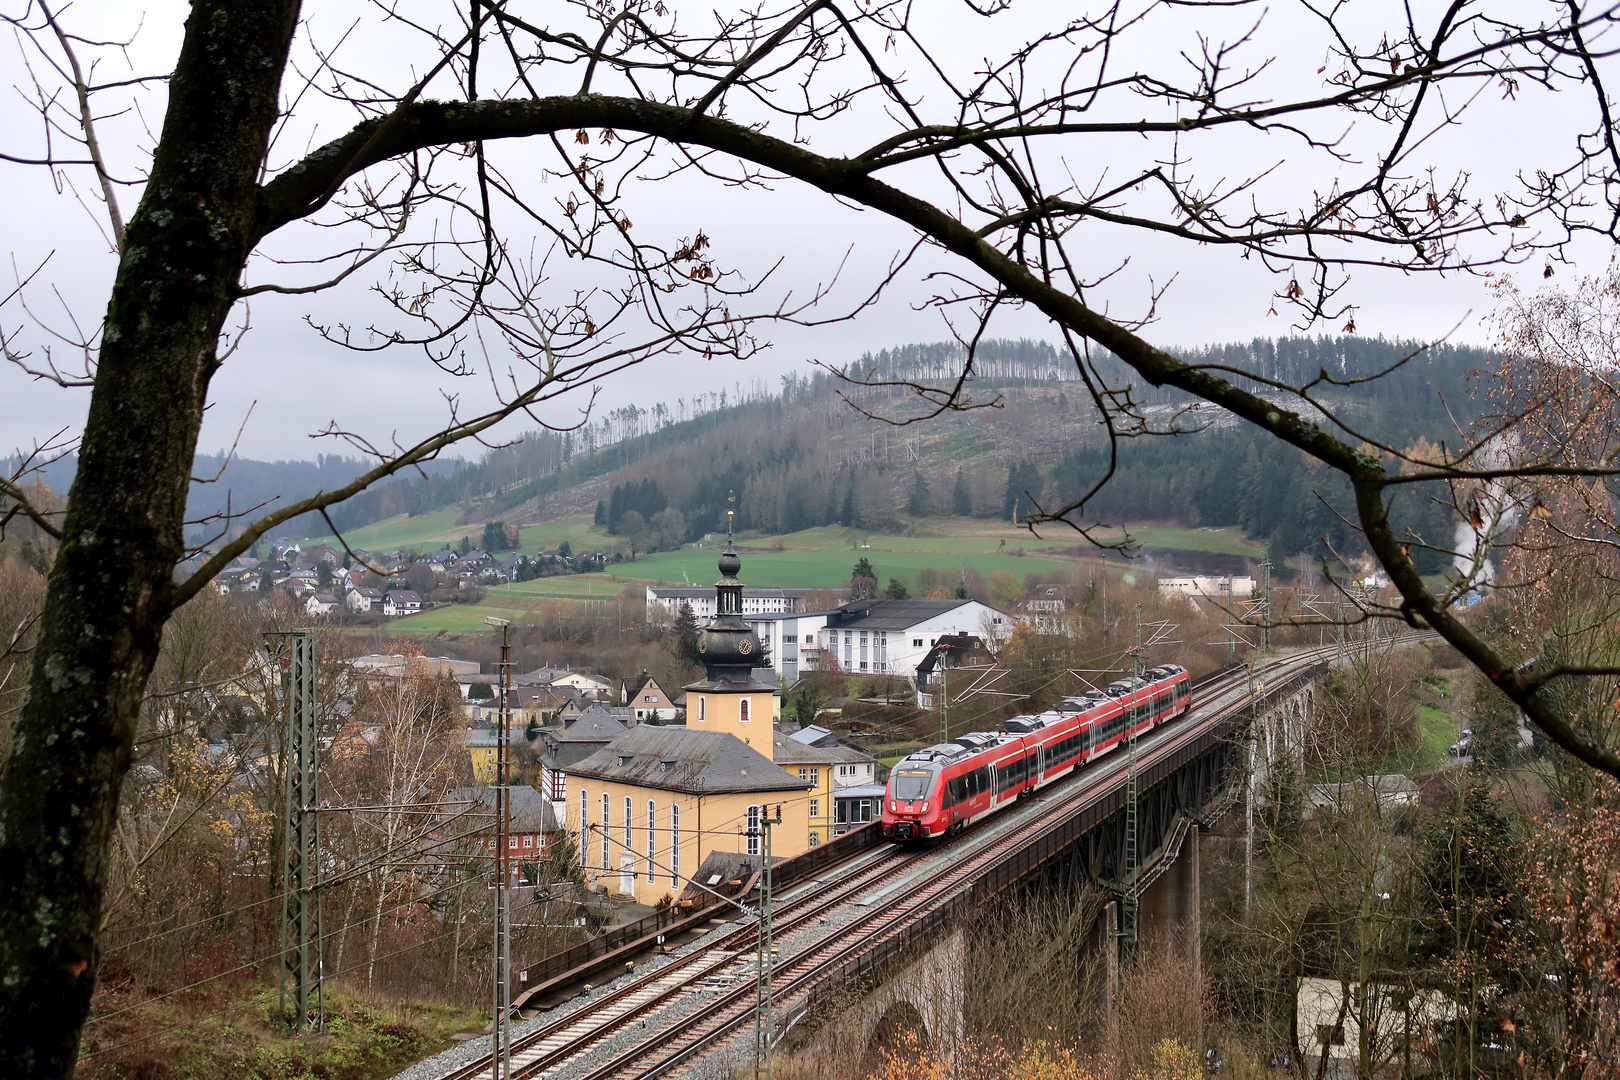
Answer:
x=912 y=784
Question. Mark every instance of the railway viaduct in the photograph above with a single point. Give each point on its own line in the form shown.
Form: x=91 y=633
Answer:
x=917 y=978
x=872 y=932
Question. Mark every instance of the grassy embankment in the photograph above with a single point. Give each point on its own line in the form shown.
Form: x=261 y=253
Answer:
x=225 y=1032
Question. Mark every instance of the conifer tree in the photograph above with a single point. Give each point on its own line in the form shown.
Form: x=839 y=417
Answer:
x=684 y=643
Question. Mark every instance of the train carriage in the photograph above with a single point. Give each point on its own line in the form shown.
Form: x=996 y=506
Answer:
x=944 y=788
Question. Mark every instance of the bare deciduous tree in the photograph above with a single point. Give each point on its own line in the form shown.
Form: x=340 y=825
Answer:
x=1003 y=170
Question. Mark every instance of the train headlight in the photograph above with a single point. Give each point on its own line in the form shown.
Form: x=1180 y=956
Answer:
x=893 y=806
x=925 y=808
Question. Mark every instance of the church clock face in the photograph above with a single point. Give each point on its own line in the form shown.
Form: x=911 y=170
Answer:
x=745 y=646
x=703 y=644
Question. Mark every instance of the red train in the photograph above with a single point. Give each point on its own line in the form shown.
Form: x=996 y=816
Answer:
x=943 y=789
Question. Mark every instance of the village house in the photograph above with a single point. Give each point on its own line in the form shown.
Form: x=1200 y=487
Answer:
x=532 y=824
x=397 y=602
x=817 y=757
x=362 y=599
x=648 y=700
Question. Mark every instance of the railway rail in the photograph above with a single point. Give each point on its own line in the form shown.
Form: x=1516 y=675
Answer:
x=885 y=916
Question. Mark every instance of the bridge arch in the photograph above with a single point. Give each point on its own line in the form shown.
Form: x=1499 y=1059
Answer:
x=900 y=1027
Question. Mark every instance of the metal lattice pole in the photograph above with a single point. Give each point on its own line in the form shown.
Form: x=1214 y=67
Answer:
x=765 y=953
x=501 y=1053
x=1265 y=608
x=1230 y=641
x=302 y=1003
x=1132 y=899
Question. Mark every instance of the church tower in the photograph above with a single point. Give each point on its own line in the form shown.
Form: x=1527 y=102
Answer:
x=735 y=696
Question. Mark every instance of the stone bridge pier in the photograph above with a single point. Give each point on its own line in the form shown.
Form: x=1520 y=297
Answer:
x=920 y=991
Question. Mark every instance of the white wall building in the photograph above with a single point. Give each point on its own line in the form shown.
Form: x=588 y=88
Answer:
x=1207 y=588
x=877 y=637
x=756 y=601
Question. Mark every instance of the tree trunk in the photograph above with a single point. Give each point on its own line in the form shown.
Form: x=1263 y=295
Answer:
x=111 y=588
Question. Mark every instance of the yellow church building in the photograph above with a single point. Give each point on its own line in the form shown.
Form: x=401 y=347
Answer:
x=649 y=807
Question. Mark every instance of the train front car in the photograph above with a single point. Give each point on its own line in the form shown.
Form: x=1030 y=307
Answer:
x=912 y=807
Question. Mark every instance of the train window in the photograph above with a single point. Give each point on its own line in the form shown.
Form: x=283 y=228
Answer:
x=911 y=784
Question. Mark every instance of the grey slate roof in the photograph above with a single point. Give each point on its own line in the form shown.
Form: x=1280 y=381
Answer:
x=596 y=724
x=890 y=614
x=681 y=759
x=532 y=812
x=791 y=751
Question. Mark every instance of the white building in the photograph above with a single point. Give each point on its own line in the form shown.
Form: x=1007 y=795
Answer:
x=1207 y=588
x=756 y=601
x=888 y=637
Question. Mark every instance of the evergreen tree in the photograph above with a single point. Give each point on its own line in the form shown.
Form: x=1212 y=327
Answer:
x=684 y=643
x=917 y=502
x=1479 y=923
x=495 y=537
x=897 y=590
x=601 y=514
x=565 y=549
x=465 y=545
x=961 y=499
x=863 y=580
x=1023 y=482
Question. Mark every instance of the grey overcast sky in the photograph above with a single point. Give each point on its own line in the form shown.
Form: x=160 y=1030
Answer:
x=296 y=382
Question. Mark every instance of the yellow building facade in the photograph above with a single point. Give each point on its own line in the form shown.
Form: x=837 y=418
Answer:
x=650 y=807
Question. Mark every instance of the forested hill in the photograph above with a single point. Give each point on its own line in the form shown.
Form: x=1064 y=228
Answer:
x=799 y=456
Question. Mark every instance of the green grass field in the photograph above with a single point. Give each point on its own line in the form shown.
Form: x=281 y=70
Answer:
x=426 y=532
x=817 y=558
x=820 y=569
x=935 y=535
x=975 y=535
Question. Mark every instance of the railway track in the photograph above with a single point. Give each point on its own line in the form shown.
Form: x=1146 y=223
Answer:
x=717 y=966
x=704 y=964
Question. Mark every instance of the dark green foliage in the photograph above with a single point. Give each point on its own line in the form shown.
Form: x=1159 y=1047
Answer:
x=480 y=691
x=1023 y=485
x=496 y=538
x=917 y=501
x=896 y=590
x=601 y=514
x=565 y=549
x=465 y=545
x=961 y=498
x=684 y=638
x=1480 y=936
x=863 y=580
x=323 y=574
x=1495 y=724
x=762 y=659
x=642 y=497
